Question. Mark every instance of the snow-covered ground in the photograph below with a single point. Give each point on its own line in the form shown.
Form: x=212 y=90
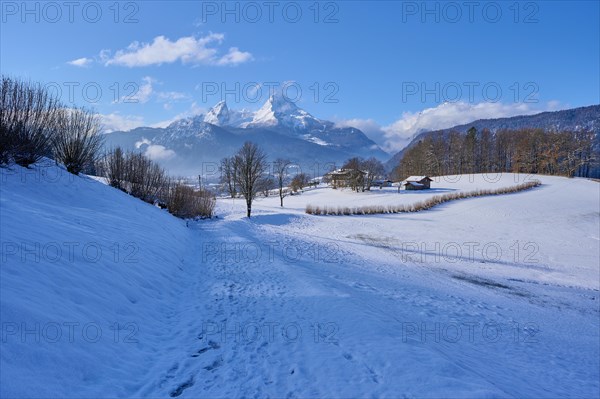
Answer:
x=486 y=297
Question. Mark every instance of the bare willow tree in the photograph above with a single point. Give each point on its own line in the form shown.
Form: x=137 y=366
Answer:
x=6 y=118
x=27 y=120
x=135 y=174
x=76 y=142
x=145 y=178
x=251 y=164
x=113 y=166
x=280 y=172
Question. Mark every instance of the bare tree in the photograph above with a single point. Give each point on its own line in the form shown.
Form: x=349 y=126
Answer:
x=6 y=119
x=374 y=169
x=251 y=164
x=228 y=171
x=266 y=184
x=135 y=174
x=113 y=166
x=144 y=177
x=281 y=176
x=27 y=120
x=356 y=180
x=77 y=140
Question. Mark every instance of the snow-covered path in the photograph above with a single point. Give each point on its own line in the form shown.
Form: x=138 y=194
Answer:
x=277 y=314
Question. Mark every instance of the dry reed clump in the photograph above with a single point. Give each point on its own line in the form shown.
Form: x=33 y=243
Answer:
x=417 y=206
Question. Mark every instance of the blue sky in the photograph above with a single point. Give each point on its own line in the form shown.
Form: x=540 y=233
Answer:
x=385 y=67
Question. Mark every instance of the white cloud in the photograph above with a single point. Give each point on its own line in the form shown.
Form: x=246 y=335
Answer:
x=144 y=91
x=235 y=57
x=367 y=126
x=445 y=116
x=140 y=143
x=115 y=122
x=397 y=135
x=81 y=62
x=158 y=152
x=172 y=96
x=188 y=50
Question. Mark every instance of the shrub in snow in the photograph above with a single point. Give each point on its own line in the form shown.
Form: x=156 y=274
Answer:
x=185 y=202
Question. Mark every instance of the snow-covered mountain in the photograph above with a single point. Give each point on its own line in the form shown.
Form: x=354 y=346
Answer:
x=221 y=115
x=281 y=113
x=279 y=126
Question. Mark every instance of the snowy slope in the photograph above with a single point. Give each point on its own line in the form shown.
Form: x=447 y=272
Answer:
x=291 y=305
x=78 y=257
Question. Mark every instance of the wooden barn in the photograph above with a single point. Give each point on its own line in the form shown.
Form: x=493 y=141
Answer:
x=417 y=183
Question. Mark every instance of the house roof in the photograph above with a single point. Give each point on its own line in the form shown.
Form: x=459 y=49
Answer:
x=418 y=178
x=413 y=183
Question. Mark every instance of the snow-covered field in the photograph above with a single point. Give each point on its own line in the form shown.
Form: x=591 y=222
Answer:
x=485 y=297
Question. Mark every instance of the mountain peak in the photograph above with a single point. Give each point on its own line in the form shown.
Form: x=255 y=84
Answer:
x=280 y=103
x=280 y=111
x=218 y=115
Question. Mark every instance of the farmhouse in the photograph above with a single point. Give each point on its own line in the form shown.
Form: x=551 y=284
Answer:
x=344 y=177
x=417 y=183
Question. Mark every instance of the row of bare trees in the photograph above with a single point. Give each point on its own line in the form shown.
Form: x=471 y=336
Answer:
x=518 y=151
x=246 y=174
x=34 y=124
x=139 y=176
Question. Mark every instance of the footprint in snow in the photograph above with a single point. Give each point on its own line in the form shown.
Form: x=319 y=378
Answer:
x=182 y=387
x=214 y=365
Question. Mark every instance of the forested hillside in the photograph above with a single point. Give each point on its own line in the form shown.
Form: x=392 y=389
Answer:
x=519 y=151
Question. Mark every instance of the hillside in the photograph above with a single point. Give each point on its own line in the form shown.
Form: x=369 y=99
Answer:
x=576 y=119
x=78 y=257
